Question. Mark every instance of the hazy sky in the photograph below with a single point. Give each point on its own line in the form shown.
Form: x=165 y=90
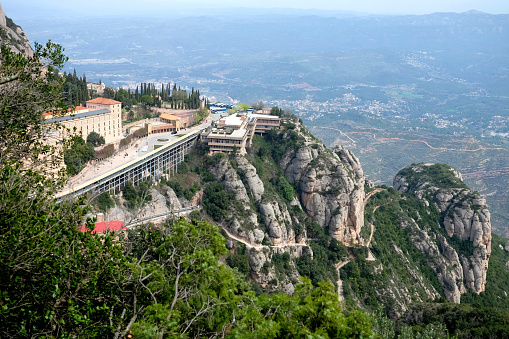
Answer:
x=32 y=8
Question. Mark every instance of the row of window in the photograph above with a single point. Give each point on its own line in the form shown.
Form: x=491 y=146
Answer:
x=224 y=141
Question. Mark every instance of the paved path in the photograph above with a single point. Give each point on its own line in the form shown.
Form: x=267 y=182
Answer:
x=138 y=221
x=248 y=244
x=259 y=246
x=369 y=195
x=371 y=257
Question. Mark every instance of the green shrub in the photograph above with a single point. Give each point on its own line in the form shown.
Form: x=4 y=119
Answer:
x=195 y=215
x=78 y=154
x=105 y=202
x=285 y=189
x=105 y=152
x=95 y=139
x=239 y=259
x=126 y=141
x=137 y=196
x=217 y=201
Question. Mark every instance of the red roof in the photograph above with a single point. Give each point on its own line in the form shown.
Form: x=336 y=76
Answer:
x=103 y=226
x=79 y=108
x=103 y=101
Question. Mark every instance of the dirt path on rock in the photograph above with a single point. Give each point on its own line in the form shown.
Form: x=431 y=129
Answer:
x=340 y=264
x=259 y=246
x=369 y=195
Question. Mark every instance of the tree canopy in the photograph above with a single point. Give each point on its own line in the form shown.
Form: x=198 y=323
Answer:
x=29 y=87
x=78 y=154
x=95 y=139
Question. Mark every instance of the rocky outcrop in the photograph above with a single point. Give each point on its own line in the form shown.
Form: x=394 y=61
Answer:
x=442 y=259
x=224 y=172
x=172 y=198
x=460 y=259
x=331 y=186
x=242 y=223
x=278 y=222
x=13 y=36
x=403 y=294
x=253 y=181
x=264 y=273
x=155 y=206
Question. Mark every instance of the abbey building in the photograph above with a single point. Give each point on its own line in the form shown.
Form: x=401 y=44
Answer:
x=101 y=115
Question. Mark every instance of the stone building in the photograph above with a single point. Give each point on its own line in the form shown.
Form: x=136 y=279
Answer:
x=101 y=115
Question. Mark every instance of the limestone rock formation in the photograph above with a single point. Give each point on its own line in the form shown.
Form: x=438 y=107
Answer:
x=264 y=273
x=172 y=198
x=399 y=292
x=253 y=181
x=332 y=188
x=242 y=223
x=225 y=173
x=13 y=36
x=278 y=222
x=466 y=222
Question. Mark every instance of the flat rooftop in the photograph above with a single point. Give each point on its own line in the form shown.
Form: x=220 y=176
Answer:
x=262 y=116
x=232 y=120
x=221 y=134
x=77 y=116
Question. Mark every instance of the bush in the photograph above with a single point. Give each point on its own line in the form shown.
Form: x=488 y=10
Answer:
x=95 y=139
x=78 y=155
x=137 y=196
x=105 y=152
x=140 y=133
x=239 y=259
x=285 y=189
x=195 y=215
x=216 y=200
x=126 y=141
x=105 y=202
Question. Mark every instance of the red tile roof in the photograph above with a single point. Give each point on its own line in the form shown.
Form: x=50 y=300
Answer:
x=103 y=101
x=101 y=227
x=79 y=108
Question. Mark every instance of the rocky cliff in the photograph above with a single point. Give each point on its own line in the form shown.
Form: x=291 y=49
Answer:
x=331 y=188
x=292 y=207
x=280 y=188
x=459 y=254
x=13 y=36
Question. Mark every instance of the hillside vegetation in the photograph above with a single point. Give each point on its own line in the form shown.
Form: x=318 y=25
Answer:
x=396 y=273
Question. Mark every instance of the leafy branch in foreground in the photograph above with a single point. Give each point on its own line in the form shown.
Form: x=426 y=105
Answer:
x=30 y=86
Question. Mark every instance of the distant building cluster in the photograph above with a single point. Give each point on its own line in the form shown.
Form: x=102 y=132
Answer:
x=219 y=107
x=98 y=88
x=101 y=115
x=235 y=132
